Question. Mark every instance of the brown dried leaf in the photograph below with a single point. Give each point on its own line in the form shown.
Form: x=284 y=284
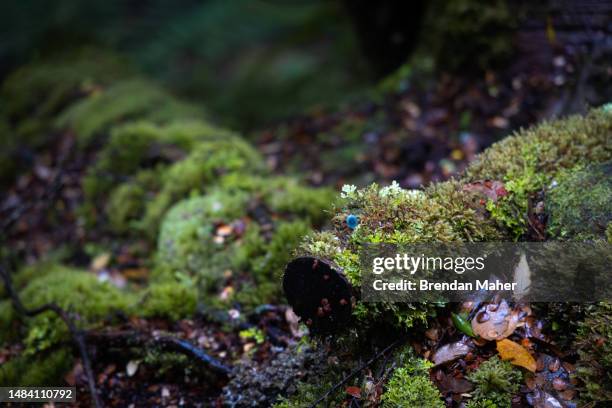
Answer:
x=496 y=322
x=450 y=352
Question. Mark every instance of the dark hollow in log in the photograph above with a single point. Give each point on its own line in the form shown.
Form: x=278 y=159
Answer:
x=319 y=293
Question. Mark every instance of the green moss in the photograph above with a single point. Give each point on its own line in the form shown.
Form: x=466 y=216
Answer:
x=557 y=145
x=187 y=244
x=529 y=161
x=164 y=362
x=579 y=205
x=410 y=386
x=467 y=34
x=447 y=212
x=495 y=381
x=127 y=202
x=594 y=345
x=170 y=300
x=77 y=291
x=7 y=319
x=123 y=100
x=260 y=239
x=511 y=210
x=37 y=92
x=392 y=215
x=47 y=369
x=201 y=170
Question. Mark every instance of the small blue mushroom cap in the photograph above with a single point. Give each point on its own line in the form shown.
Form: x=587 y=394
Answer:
x=352 y=221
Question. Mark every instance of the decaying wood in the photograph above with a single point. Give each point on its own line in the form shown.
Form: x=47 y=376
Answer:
x=319 y=293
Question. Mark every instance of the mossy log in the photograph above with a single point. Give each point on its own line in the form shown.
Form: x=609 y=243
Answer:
x=528 y=165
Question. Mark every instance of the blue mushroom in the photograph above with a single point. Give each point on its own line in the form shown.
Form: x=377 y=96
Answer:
x=352 y=221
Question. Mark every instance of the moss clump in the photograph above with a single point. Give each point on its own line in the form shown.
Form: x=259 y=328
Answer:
x=496 y=381
x=44 y=370
x=392 y=215
x=127 y=99
x=594 y=345
x=127 y=201
x=579 y=205
x=132 y=165
x=530 y=160
x=187 y=245
x=200 y=171
x=80 y=293
x=73 y=290
x=245 y=229
x=557 y=145
x=410 y=386
x=170 y=300
x=36 y=93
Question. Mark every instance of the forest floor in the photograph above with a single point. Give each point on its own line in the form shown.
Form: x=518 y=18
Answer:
x=424 y=131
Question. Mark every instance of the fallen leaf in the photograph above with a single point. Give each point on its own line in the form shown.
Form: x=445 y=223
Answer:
x=559 y=384
x=496 y=321
x=225 y=230
x=451 y=384
x=568 y=395
x=541 y=399
x=354 y=392
x=450 y=352
x=516 y=354
x=132 y=367
x=100 y=262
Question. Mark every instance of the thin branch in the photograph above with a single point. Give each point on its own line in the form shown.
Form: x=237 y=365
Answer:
x=355 y=372
x=77 y=334
x=131 y=338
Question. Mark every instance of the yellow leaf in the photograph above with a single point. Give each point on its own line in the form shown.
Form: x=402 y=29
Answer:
x=516 y=354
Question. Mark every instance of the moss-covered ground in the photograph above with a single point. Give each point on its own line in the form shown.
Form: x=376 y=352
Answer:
x=165 y=235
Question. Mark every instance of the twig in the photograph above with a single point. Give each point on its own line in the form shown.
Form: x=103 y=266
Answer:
x=77 y=334
x=130 y=338
x=355 y=372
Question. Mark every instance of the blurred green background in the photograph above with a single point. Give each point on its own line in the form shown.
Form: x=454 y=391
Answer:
x=249 y=62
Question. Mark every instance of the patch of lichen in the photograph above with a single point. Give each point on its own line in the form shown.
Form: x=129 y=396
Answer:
x=495 y=381
x=410 y=386
x=594 y=345
x=578 y=204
